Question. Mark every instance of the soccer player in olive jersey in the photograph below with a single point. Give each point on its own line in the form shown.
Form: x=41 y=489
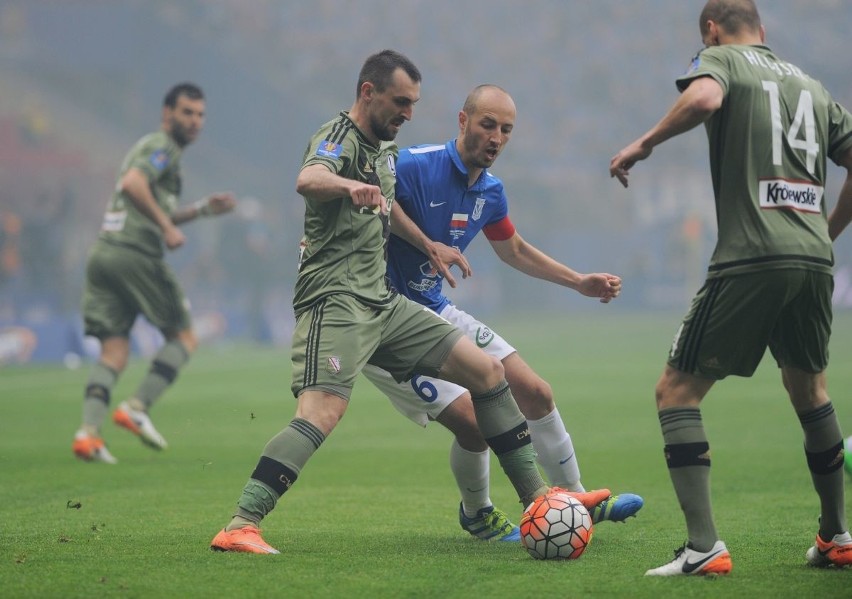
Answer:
x=771 y=128
x=127 y=276
x=347 y=315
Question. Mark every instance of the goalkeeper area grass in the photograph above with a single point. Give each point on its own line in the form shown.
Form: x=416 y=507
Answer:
x=375 y=512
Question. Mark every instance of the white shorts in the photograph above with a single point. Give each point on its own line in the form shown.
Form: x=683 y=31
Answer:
x=422 y=398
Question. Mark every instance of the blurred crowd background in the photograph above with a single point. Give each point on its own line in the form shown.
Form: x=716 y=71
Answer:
x=82 y=80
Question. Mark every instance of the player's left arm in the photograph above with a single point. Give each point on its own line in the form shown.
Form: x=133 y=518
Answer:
x=528 y=259
x=842 y=213
x=213 y=205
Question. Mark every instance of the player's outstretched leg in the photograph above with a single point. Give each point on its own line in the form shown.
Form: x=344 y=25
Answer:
x=603 y=505
x=589 y=499
x=617 y=508
x=689 y=562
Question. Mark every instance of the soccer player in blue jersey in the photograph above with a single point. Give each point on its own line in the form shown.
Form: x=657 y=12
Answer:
x=445 y=195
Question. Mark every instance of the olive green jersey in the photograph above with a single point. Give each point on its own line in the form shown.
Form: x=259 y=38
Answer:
x=768 y=147
x=158 y=156
x=342 y=250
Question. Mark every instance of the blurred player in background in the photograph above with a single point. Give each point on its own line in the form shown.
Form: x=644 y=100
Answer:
x=770 y=128
x=126 y=274
x=347 y=315
x=444 y=196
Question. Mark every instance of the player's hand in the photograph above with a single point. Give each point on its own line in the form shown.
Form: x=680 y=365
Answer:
x=365 y=195
x=622 y=162
x=442 y=257
x=220 y=203
x=173 y=237
x=604 y=286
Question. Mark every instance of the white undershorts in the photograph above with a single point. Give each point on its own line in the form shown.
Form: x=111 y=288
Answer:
x=422 y=398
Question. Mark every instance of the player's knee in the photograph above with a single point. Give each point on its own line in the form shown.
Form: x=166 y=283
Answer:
x=188 y=340
x=535 y=399
x=542 y=393
x=114 y=359
x=675 y=390
x=323 y=410
x=460 y=420
x=493 y=372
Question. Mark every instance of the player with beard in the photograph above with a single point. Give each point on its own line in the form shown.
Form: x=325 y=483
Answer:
x=126 y=274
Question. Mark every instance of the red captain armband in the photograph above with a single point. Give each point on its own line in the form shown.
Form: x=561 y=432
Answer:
x=502 y=230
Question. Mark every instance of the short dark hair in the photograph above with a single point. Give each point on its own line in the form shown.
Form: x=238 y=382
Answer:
x=731 y=15
x=190 y=90
x=378 y=69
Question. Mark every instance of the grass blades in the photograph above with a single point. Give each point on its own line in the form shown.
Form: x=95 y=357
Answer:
x=374 y=514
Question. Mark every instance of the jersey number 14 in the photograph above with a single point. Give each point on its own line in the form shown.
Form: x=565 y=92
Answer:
x=802 y=133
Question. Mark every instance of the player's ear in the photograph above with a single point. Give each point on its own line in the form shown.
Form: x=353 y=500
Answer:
x=367 y=89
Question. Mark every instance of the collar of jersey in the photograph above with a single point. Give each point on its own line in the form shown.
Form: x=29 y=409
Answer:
x=462 y=169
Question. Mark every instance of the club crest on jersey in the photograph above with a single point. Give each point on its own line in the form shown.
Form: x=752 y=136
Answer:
x=458 y=225
x=484 y=336
x=477 y=208
x=333 y=365
x=329 y=149
x=159 y=159
x=693 y=64
x=427 y=270
x=391 y=165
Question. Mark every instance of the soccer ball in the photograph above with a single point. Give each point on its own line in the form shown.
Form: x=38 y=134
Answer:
x=556 y=526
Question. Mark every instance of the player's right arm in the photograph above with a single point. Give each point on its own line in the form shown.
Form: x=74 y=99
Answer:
x=318 y=182
x=842 y=213
x=134 y=184
x=695 y=105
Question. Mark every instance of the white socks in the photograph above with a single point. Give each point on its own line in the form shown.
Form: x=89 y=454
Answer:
x=556 y=452
x=471 y=471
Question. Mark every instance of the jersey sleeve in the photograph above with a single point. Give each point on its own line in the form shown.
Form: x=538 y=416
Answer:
x=501 y=230
x=406 y=175
x=336 y=156
x=156 y=156
x=839 y=131
x=707 y=63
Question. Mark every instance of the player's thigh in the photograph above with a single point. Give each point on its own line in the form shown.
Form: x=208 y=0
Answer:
x=332 y=341
x=728 y=326
x=477 y=331
x=108 y=308
x=414 y=340
x=420 y=399
x=160 y=297
x=800 y=339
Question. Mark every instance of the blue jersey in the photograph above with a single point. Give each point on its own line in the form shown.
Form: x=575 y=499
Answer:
x=431 y=187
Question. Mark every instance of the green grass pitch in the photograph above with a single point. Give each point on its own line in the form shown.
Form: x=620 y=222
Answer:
x=374 y=514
